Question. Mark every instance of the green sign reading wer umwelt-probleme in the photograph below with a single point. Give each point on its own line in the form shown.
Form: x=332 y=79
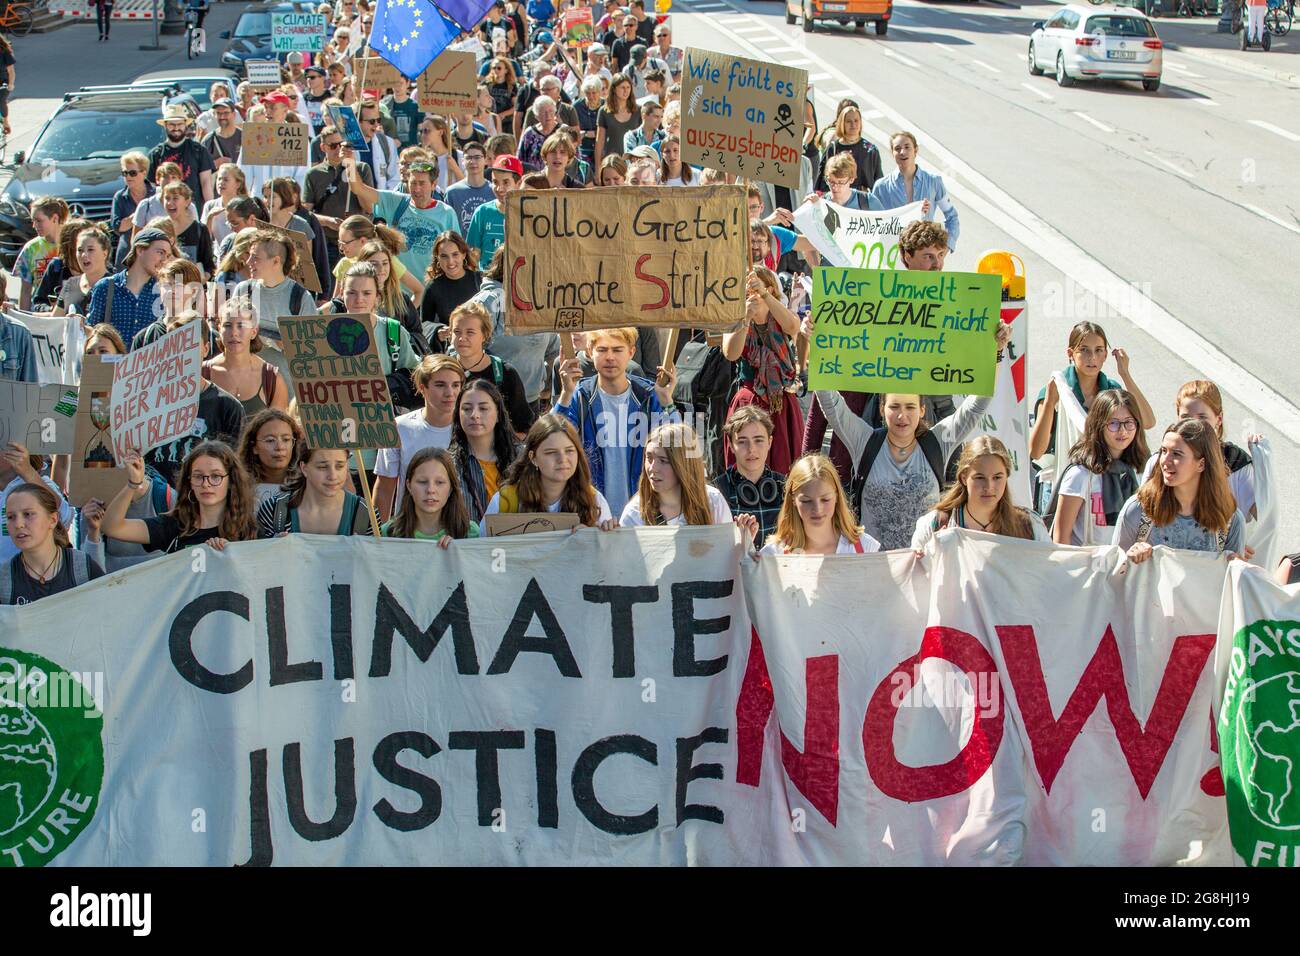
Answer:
x=925 y=333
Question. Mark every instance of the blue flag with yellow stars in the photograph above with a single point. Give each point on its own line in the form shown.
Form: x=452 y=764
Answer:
x=410 y=34
x=467 y=13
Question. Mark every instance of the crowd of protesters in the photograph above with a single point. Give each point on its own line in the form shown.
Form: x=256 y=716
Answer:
x=409 y=231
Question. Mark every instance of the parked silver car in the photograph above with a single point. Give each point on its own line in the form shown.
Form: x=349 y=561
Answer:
x=1097 y=43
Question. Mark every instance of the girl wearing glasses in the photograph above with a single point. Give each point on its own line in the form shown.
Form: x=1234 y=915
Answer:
x=1102 y=473
x=1087 y=351
x=214 y=504
x=238 y=369
x=316 y=501
x=357 y=231
x=269 y=449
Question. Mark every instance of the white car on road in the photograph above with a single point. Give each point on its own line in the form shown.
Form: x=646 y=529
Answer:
x=1097 y=43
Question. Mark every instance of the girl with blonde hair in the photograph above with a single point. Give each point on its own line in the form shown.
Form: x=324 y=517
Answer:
x=672 y=489
x=815 y=517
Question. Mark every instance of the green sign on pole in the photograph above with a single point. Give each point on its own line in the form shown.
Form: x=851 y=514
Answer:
x=298 y=32
x=924 y=333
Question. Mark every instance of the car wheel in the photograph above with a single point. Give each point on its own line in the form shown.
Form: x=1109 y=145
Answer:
x=789 y=17
x=1062 y=78
x=1151 y=85
x=1034 y=68
x=881 y=27
x=807 y=18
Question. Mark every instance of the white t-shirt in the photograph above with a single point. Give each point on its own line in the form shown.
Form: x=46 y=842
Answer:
x=494 y=506
x=925 y=529
x=1079 y=482
x=867 y=543
x=415 y=433
x=614 y=413
x=719 y=511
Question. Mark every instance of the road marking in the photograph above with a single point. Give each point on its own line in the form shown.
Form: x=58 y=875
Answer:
x=709 y=6
x=1286 y=133
x=869 y=114
x=779 y=48
x=751 y=29
x=1174 y=166
x=1036 y=91
x=1205 y=102
x=802 y=63
x=905 y=60
x=970 y=21
x=986 y=199
x=991 y=69
x=1272 y=218
x=817 y=77
x=1185 y=71
x=840 y=94
x=1088 y=119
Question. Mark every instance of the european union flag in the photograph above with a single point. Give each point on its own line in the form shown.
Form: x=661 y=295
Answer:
x=410 y=34
x=467 y=13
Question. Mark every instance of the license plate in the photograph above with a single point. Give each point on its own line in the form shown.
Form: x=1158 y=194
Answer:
x=837 y=7
x=1121 y=55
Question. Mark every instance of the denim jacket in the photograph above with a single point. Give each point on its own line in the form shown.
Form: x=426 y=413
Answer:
x=17 y=354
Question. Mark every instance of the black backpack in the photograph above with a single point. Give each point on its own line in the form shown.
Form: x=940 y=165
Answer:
x=702 y=373
x=930 y=447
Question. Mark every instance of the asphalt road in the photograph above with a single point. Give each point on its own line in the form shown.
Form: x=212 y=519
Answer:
x=1172 y=218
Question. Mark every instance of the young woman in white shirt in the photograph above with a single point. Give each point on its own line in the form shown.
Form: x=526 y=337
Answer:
x=1103 y=471
x=815 y=516
x=552 y=474
x=672 y=489
x=980 y=500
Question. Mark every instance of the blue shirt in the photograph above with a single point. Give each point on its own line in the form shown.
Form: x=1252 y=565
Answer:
x=131 y=313
x=464 y=199
x=487 y=230
x=17 y=354
x=891 y=192
x=420 y=227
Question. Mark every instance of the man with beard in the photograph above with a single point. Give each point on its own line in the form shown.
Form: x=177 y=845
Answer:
x=180 y=148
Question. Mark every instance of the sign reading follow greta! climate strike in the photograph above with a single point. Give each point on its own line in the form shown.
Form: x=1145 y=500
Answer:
x=646 y=697
x=742 y=116
x=882 y=330
x=633 y=255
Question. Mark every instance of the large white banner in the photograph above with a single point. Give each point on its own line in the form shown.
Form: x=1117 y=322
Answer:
x=603 y=698
x=854 y=238
x=57 y=341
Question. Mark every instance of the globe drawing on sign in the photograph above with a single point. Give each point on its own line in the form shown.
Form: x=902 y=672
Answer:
x=347 y=336
x=1270 y=754
x=28 y=767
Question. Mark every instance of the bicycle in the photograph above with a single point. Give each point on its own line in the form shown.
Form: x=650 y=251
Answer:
x=17 y=18
x=194 y=38
x=1192 y=8
x=1277 y=20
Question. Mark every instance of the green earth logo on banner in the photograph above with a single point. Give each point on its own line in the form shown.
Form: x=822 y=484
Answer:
x=51 y=758
x=347 y=336
x=1259 y=736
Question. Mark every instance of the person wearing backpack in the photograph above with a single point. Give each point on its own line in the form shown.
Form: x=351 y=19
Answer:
x=417 y=214
x=1102 y=474
x=471 y=333
x=272 y=292
x=900 y=468
x=316 y=501
x=1187 y=502
x=152 y=498
x=46 y=562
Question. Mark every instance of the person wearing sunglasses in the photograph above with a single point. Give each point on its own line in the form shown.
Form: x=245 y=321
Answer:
x=135 y=189
x=326 y=189
x=381 y=152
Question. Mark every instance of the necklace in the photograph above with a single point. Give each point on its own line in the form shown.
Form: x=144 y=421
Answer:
x=479 y=364
x=983 y=526
x=900 y=452
x=41 y=577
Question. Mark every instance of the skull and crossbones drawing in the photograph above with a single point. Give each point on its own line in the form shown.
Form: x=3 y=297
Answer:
x=785 y=119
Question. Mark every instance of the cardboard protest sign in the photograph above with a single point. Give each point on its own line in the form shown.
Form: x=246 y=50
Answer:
x=41 y=417
x=276 y=144
x=449 y=84
x=93 y=471
x=304 y=270
x=263 y=74
x=156 y=392
x=374 y=72
x=579 y=30
x=743 y=116
x=633 y=255
x=334 y=368
x=303 y=32
x=928 y=333
x=855 y=238
x=344 y=119
x=529 y=523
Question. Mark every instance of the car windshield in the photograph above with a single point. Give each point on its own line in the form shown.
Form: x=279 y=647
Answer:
x=254 y=25
x=88 y=134
x=1120 y=26
x=198 y=87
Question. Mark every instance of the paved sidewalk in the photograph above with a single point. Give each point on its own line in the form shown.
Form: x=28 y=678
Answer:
x=1197 y=37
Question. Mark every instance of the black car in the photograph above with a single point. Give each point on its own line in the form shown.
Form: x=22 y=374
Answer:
x=76 y=157
x=251 y=38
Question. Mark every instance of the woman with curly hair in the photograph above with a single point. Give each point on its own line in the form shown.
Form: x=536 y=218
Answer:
x=214 y=504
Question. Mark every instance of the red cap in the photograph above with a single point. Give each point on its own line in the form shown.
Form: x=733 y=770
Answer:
x=509 y=164
x=277 y=96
